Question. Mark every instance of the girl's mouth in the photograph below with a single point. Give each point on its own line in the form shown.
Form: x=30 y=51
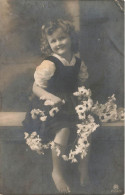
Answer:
x=60 y=47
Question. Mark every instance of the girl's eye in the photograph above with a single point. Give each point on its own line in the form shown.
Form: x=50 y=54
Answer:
x=53 y=41
x=61 y=38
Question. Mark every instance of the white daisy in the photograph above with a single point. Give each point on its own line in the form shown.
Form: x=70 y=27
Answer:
x=91 y=118
x=78 y=149
x=53 y=111
x=121 y=115
x=65 y=157
x=80 y=109
x=87 y=104
x=81 y=90
x=86 y=143
x=76 y=93
x=80 y=126
x=26 y=135
x=80 y=141
x=34 y=116
x=85 y=92
x=36 y=112
x=94 y=126
x=85 y=134
x=83 y=154
x=43 y=118
x=58 y=151
x=33 y=134
x=81 y=116
x=74 y=160
x=41 y=113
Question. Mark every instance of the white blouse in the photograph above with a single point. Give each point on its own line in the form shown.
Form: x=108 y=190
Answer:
x=47 y=68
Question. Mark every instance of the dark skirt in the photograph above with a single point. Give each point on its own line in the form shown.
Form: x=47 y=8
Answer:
x=65 y=118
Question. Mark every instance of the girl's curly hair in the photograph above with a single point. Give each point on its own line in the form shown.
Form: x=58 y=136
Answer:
x=50 y=27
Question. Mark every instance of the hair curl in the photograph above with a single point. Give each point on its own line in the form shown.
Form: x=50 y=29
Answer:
x=50 y=27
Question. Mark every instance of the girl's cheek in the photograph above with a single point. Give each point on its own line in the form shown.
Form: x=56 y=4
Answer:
x=52 y=46
x=65 y=41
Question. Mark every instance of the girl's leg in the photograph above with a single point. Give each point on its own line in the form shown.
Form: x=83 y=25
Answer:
x=61 y=138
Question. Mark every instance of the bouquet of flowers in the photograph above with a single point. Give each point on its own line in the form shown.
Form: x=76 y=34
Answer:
x=86 y=110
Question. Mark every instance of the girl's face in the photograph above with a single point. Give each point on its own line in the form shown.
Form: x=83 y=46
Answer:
x=60 y=42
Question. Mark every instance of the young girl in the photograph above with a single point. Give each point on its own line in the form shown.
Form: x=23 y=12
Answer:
x=56 y=78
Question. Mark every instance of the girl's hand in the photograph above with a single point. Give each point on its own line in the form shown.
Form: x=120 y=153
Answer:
x=55 y=101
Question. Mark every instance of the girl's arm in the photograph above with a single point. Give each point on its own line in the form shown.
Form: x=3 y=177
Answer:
x=43 y=94
x=42 y=75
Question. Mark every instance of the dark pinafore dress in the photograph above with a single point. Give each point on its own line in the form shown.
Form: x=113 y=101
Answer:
x=62 y=84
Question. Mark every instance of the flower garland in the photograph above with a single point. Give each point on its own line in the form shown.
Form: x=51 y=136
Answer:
x=87 y=125
x=35 y=142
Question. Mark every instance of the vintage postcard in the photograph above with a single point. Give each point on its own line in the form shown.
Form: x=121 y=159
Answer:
x=61 y=97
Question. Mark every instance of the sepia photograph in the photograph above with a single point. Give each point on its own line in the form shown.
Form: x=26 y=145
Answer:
x=62 y=97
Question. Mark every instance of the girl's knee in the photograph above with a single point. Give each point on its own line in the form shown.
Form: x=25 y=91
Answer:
x=65 y=131
x=62 y=136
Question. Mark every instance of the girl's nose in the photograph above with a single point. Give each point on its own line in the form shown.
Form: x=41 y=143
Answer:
x=58 y=42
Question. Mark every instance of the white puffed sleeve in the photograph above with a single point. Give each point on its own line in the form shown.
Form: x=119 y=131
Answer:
x=83 y=74
x=44 y=72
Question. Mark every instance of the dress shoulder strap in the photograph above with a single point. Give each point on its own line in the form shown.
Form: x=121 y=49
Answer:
x=58 y=63
x=54 y=60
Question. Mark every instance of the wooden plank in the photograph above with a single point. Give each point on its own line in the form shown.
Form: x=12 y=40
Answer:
x=15 y=119
x=11 y=118
x=114 y=124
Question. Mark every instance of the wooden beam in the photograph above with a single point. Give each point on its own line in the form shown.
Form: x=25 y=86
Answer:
x=11 y=118
x=15 y=119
